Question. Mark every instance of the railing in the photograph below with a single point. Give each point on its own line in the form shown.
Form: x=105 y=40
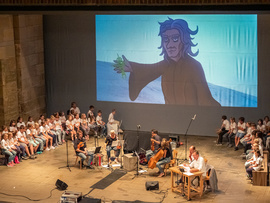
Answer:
x=129 y=2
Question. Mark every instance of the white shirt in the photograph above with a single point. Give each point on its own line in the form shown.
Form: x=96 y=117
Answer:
x=111 y=118
x=12 y=128
x=4 y=132
x=199 y=164
x=34 y=131
x=226 y=124
x=21 y=136
x=261 y=128
x=77 y=122
x=192 y=159
x=68 y=124
x=28 y=134
x=47 y=128
x=261 y=148
x=90 y=113
x=58 y=125
x=52 y=126
x=31 y=123
x=4 y=144
x=11 y=142
x=248 y=135
x=62 y=119
x=39 y=121
x=19 y=124
x=76 y=110
x=41 y=129
x=84 y=122
x=99 y=120
x=233 y=127
x=266 y=124
x=259 y=162
x=243 y=125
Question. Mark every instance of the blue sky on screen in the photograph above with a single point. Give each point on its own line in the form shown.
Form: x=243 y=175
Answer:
x=227 y=44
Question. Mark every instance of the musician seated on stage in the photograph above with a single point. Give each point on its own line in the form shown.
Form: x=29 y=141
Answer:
x=108 y=142
x=165 y=146
x=81 y=150
x=191 y=151
x=155 y=144
x=198 y=164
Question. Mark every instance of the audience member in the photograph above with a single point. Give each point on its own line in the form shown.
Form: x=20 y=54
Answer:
x=225 y=126
x=232 y=132
x=75 y=108
x=255 y=165
x=6 y=149
x=20 y=122
x=241 y=126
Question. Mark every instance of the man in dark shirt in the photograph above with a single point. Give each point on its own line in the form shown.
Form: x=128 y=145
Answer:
x=108 y=142
x=156 y=140
x=81 y=151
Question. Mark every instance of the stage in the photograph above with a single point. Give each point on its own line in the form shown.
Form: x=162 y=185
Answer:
x=36 y=178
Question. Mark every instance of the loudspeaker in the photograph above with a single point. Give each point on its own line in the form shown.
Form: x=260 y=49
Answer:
x=152 y=185
x=61 y=185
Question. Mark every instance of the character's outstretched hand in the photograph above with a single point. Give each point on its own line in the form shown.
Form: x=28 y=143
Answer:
x=127 y=67
x=122 y=65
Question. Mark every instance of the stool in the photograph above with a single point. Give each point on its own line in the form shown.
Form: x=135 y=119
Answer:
x=172 y=162
x=77 y=157
x=98 y=159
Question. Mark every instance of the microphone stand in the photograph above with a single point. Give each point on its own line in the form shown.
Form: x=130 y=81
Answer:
x=67 y=166
x=192 y=119
x=136 y=153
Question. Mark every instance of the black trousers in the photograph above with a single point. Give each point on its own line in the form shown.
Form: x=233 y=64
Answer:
x=220 y=136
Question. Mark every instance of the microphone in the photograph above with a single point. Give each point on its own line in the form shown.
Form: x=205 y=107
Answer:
x=194 y=117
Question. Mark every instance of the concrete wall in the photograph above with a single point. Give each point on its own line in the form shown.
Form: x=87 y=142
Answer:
x=28 y=35
x=22 y=83
x=9 y=105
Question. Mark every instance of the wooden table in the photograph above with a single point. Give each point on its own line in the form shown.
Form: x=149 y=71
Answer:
x=186 y=185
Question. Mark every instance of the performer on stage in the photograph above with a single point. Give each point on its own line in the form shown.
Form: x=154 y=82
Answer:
x=108 y=143
x=191 y=151
x=155 y=144
x=198 y=164
x=81 y=151
x=165 y=146
x=100 y=124
x=112 y=123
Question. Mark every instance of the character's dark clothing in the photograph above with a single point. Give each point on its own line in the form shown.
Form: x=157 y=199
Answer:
x=182 y=82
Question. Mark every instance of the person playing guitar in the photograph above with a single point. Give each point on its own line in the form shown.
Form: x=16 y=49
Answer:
x=108 y=143
x=81 y=151
x=166 y=158
x=155 y=144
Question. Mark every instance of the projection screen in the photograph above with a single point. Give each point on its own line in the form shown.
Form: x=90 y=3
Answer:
x=204 y=60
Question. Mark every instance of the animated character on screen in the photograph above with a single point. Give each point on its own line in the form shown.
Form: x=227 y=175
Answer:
x=183 y=81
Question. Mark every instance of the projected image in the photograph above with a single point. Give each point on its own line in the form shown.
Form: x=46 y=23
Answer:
x=205 y=60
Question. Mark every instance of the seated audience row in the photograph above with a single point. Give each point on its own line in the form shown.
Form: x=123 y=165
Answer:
x=22 y=141
x=253 y=137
